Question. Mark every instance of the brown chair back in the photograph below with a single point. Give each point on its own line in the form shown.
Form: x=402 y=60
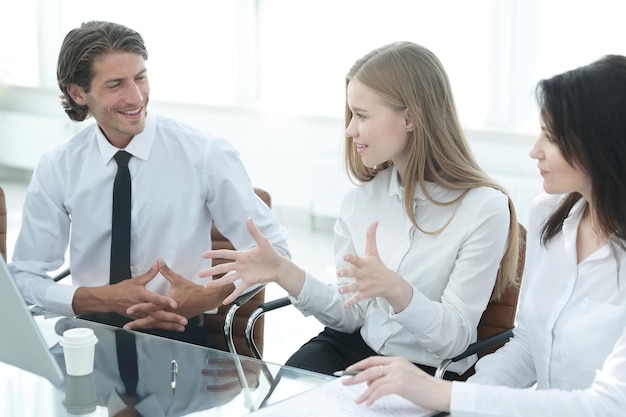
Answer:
x=3 y=225
x=214 y=323
x=500 y=315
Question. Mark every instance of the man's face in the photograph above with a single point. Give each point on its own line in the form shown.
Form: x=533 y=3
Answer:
x=118 y=97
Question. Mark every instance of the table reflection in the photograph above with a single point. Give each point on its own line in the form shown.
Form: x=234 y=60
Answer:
x=208 y=382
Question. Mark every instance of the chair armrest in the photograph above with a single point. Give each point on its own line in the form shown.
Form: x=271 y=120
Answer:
x=61 y=275
x=262 y=309
x=474 y=348
x=245 y=297
x=230 y=316
x=485 y=343
x=275 y=304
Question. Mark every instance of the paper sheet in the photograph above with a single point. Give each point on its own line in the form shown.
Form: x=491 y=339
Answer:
x=337 y=400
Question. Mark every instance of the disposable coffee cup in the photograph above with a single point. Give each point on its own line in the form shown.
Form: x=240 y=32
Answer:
x=79 y=346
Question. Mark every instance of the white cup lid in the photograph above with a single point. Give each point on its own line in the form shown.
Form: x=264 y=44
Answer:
x=79 y=336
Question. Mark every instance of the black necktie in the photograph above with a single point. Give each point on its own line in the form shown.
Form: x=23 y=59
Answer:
x=120 y=226
x=120 y=269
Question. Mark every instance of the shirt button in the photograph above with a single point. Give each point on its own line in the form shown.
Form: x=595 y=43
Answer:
x=133 y=269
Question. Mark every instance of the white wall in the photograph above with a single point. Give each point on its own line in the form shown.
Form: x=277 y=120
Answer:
x=296 y=158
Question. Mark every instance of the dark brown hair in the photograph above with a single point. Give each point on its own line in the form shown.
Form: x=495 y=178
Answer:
x=585 y=112
x=81 y=47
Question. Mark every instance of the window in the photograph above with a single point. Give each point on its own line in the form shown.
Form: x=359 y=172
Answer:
x=18 y=49
x=192 y=45
x=575 y=33
x=292 y=55
x=306 y=48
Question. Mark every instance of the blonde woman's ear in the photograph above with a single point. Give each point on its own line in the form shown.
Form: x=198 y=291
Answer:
x=408 y=121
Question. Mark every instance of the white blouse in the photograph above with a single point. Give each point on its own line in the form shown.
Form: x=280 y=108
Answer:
x=570 y=337
x=452 y=273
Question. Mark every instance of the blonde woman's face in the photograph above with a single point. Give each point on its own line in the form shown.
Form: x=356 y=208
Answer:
x=379 y=132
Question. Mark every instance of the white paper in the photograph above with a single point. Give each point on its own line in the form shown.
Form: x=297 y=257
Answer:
x=337 y=400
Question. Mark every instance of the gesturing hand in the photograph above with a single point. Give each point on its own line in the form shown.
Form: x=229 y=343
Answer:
x=258 y=265
x=372 y=278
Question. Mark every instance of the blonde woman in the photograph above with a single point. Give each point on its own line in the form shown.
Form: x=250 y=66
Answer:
x=419 y=244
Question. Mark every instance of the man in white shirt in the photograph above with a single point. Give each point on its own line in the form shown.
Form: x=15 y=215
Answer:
x=182 y=180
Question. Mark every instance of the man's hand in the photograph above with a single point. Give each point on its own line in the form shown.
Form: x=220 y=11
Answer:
x=119 y=297
x=191 y=299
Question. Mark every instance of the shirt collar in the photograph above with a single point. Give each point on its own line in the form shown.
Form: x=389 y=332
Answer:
x=570 y=231
x=396 y=189
x=139 y=146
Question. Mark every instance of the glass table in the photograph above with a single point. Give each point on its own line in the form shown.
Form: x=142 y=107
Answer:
x=174 y=379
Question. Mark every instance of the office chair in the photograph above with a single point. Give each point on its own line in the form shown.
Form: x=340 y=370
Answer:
x=494 y=329
x=234 y=325
x=496 y=324
x=223 y=326
x=3 y=225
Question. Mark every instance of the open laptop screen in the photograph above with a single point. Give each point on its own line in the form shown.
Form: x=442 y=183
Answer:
x=22 y=344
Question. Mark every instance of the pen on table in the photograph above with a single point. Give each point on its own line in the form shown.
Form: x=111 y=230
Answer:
x=174 y=374
x=345 y=373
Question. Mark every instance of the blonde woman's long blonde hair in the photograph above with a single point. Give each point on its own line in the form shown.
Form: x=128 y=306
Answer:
x=408 y=76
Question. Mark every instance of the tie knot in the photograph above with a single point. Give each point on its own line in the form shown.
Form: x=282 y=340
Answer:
x=122 y=157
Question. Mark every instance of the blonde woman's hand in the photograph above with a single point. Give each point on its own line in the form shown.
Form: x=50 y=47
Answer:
x=261 y=264
x=372 y=278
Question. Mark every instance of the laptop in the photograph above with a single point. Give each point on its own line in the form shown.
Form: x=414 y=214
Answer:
x=26 y=348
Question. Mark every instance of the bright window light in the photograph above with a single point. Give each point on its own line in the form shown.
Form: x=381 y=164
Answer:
x=291 y=56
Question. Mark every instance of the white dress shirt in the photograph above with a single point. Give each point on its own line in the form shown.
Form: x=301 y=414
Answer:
x=570 y=337
x=452 y=273
x=182 y=179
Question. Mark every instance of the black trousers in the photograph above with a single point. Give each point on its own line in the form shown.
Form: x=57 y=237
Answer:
x=332 y=350
x=194 y=333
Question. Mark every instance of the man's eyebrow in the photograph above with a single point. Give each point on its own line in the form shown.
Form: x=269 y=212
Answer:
x=118 y=80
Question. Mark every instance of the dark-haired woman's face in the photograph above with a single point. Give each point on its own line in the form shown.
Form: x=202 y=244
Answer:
x=559 y=177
